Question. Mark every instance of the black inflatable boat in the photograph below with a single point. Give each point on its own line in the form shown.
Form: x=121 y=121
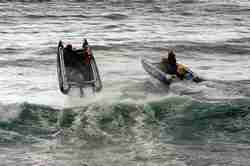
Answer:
x=77 y=68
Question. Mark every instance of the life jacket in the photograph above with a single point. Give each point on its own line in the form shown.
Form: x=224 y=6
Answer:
x=182 y=69
x=184 y=72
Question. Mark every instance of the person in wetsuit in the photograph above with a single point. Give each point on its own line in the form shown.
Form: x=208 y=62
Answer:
x=68 y=53
x=170 y=66
x=79 y=60
x=76 y=57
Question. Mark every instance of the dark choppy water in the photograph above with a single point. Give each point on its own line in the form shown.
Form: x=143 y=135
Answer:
x=134 y=120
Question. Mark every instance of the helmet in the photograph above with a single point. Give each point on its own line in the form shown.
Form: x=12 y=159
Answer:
x=69 y=47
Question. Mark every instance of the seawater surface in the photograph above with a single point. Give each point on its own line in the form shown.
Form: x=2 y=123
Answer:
x=134 y=120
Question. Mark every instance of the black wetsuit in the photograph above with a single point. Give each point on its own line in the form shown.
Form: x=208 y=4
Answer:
x=171 y=68
x=75 y=59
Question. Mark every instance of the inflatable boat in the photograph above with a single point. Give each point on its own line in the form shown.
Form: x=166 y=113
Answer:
x=77 y=68
x=154 y=70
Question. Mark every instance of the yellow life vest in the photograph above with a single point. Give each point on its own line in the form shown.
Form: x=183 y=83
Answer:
x=182 y=69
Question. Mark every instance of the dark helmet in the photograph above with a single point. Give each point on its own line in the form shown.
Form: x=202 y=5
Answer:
x=85 y=43
x=69 y=47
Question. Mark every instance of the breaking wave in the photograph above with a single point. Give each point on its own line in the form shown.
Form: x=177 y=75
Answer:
x=171 y=119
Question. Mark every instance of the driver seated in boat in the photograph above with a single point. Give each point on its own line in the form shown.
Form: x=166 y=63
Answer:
x=68 y=55
x=170 y=66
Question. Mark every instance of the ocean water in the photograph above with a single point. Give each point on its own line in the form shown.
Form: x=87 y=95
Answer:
x=134 y=120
